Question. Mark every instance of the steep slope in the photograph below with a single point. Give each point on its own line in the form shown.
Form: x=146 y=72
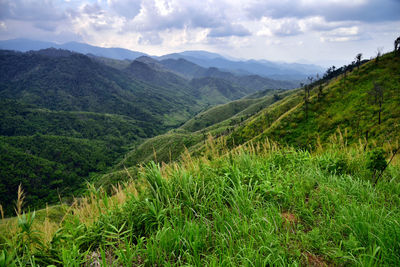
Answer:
x=345 y=110
x=61 y=80
x=348 y=106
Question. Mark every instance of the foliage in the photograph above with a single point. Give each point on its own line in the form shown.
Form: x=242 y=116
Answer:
x=253 y=206
x=376 y=162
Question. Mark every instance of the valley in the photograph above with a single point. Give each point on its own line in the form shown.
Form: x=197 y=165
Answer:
x=67 y=117
x=162 y=161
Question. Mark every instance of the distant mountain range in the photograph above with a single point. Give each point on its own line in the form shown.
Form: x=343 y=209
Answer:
x=24 y=45
x=274 y=70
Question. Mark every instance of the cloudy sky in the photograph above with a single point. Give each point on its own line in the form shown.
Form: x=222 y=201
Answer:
x=319 y=31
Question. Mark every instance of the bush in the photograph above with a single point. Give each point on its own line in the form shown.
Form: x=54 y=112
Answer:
x=376 y=160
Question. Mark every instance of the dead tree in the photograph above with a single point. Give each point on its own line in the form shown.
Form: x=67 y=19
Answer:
x=320 y=88
x=377 y=93
x=306 y=99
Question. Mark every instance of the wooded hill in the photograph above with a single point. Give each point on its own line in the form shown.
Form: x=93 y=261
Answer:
x=66 y=116
x=342 y=106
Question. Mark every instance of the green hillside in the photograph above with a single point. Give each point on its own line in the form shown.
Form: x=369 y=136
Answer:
x=347 y=108
x=236 y=108
x=339 y=108
x=216 y=121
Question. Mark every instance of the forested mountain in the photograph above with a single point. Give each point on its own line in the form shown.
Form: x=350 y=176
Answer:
x=62 y=80
x=76 y=115
x=191 y=70
x=209 y=86
x=274 y=70
x=342 y=105
x=65 y=116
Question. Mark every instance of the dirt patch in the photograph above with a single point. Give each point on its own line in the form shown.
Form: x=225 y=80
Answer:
x=315 y=261
x=95 y=259
x=289 y=218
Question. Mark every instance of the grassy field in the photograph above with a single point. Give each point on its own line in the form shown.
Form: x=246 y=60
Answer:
x=257 y=205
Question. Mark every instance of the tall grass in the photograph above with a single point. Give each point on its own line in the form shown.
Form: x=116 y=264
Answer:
x=255 y=205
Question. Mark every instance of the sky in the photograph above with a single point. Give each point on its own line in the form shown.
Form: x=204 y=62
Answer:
x=309 y=31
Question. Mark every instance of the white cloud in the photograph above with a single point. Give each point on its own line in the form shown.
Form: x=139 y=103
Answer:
x=342 y=34
x=279 y=27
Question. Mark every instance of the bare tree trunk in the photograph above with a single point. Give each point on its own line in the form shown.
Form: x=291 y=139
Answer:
x=379 y=115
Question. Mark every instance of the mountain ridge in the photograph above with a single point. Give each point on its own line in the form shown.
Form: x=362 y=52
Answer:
x=205 y=59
